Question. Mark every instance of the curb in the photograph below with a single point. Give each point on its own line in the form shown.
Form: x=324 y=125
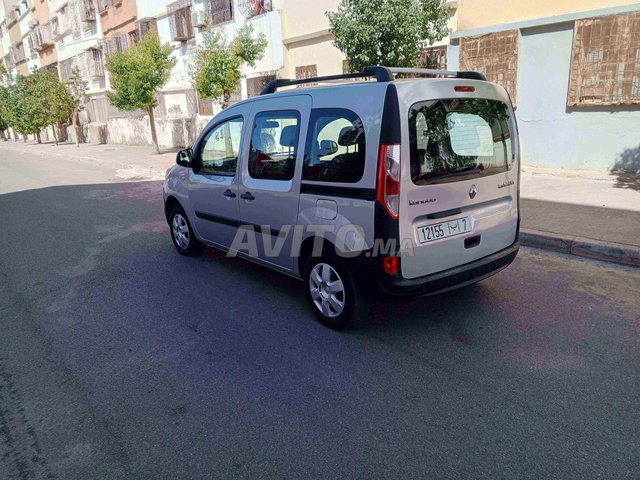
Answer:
x=582 y=247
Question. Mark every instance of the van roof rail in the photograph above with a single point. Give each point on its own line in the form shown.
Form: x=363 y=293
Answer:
x=381 y=74
x=439 y=73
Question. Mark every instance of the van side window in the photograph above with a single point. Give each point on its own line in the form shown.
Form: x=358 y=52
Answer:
x=335 y=150
x=274 y=145
x=219 y=154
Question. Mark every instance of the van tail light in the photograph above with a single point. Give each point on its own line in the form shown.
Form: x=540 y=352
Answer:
x=464 y=88
x=388 y=185
x=390 y=265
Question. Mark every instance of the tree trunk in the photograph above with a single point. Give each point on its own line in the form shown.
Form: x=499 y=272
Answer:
x=76 y=126
x=55 y=135
x=38 y=137
x=4 y=138
x=154 y=136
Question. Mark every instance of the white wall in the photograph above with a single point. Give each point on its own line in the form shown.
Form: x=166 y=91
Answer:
x=552 y=135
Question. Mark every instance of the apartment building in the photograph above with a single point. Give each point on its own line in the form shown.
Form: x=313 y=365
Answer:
x=14 y=25
x=41 y=36
x=227 y=16
x=180 y=113
x=572 y=68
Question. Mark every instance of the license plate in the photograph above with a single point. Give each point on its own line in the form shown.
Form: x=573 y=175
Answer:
x=437 y=231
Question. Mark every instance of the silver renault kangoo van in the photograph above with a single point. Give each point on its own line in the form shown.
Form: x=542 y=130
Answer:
x=365 y=186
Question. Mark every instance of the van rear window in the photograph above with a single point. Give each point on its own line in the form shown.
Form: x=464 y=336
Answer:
x=458 y=138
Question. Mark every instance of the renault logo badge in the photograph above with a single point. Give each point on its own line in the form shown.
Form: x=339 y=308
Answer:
x=473 y=191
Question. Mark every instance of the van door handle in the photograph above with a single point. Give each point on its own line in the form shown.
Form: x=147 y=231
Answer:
x=229 y=194
x=247 y=196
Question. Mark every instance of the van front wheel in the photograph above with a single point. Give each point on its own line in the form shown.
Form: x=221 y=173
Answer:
x=332 y=293
x=182 y=234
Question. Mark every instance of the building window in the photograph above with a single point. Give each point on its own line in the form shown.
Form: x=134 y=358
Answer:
x=103 y=5
x=255 y=85
x=180 y=20
x=306 y=71
x=495 y=55
x=434 y=57
x=145 y=25
x=605 y=61
x=95 y=65
x=116 y=43
x=219 y=11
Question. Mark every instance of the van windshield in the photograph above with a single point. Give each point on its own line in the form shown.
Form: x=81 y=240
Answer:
x=458 y=138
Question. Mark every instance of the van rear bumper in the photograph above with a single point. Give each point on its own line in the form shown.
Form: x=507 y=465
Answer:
x=391 y=288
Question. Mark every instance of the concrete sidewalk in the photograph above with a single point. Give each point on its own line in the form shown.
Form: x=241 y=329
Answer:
x=590 y=214
x=132 y=163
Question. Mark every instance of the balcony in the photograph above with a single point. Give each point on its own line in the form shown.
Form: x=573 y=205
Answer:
x=17 y=54
x=41 y=36
x=180 y=20
x=35 y=42
x=253 y=8
x=86 y=11
x=94 y=63
x=61 y=23
x=116 y=43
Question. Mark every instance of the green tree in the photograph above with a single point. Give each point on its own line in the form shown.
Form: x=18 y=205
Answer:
x=387 y=32
x=216 y=71
x=54 y=98
x=137 y=74
x=77 y=87
x=24 y=111
x=37 y=101
x=4 y=101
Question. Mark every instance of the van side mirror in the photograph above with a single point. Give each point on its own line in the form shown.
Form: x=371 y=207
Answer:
x=184 y=158
x=327 y=147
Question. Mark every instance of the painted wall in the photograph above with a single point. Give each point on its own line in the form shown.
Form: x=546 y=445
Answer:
x=481 y=13
x=304 y=17
x=319 y=51
x=309 y=20
x=552 y=135
x=119 y=18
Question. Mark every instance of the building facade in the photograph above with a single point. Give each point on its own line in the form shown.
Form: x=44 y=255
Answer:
x=573 y=70
x=14 y=26
x=180 y=113
x=571 y=67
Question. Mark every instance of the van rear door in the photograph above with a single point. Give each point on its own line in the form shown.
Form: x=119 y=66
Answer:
x=459 y=192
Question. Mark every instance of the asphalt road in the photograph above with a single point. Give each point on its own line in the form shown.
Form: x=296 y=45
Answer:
x=120 y=358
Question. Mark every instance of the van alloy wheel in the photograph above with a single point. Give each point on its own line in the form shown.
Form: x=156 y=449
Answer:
x=327 y=290
x=180 y=231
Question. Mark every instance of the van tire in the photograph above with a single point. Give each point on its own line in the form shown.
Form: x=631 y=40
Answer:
x=355 y=307
x=178 y=218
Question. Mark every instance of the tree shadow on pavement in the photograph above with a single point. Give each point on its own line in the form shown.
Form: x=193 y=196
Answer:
x=627 y=169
